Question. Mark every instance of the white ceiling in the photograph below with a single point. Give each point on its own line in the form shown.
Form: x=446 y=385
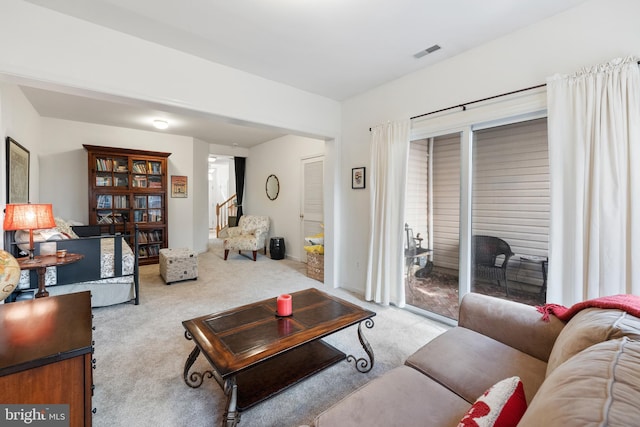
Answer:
x=333 y=48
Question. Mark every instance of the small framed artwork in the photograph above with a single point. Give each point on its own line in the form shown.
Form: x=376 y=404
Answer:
x=17 y=172
x=178 y=186
x=358 y=178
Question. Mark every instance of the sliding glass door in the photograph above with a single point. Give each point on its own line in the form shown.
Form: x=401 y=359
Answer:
x=478 y=202
x=432 y=218
x=510 y=211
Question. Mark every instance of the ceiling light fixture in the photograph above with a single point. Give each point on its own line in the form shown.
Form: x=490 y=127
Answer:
x=160 y=124
x=427 y=51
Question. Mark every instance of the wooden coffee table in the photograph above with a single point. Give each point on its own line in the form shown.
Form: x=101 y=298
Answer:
x=256 y=354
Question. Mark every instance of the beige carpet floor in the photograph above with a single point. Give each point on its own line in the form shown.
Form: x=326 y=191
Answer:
x=140 y=350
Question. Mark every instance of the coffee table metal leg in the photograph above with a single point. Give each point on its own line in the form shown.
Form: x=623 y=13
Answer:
x=231 y=414
x=363 y=365
x=195 y=379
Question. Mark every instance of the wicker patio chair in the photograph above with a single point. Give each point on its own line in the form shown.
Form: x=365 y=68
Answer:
x=487 y=251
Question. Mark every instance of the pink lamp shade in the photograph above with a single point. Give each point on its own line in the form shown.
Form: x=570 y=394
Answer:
x=30 y=217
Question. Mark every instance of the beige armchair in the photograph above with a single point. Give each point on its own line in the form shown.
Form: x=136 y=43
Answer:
x=250 y=235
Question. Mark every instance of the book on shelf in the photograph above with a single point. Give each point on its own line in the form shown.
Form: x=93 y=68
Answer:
x=154 y=216
x=155 y=202
x=105 y=219
x=103 y=202
x=104 y=165
x=139 y=216
x=139 y=181
x=155 y=168
x=153 y=250
x=120 y=202
x=140 y=202
x=120 y=165
x=154 y=236
x=103 y=181
x=139 y=167
x=109 y=217
x=120 y=181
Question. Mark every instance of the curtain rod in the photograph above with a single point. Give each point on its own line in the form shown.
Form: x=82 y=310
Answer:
x=464 y=105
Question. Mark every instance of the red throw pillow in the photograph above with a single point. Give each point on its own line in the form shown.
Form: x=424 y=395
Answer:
x=501 y=406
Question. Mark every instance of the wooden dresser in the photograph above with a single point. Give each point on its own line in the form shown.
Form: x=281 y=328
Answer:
x=46 y=354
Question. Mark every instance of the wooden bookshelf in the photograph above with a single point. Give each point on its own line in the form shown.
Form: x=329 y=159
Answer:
x=129 y=187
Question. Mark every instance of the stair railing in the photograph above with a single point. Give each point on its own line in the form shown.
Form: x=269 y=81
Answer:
x=224 y=210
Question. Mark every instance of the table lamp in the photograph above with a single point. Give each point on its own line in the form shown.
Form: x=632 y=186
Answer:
x=27 y=216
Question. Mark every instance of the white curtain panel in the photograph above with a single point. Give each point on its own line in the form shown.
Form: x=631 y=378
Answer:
x=389 y=157
x=594 y=147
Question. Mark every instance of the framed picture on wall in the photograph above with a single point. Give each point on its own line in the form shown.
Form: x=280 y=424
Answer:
x=178 y=186
x=358 y=178
x=17 y=172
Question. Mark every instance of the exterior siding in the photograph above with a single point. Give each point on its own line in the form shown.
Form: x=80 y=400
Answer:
x=511 y=192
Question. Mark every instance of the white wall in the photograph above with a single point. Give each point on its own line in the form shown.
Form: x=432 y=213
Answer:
x=64 y=171
x=20 y=121
x=54 y=51
x=52 y=48
x=199 y=195
x=594 y=32
x=281 y=157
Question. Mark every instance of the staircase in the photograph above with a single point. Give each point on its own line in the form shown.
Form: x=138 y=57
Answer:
x=226 y=214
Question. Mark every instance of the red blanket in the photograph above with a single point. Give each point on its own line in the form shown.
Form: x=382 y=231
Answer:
x=627 y=302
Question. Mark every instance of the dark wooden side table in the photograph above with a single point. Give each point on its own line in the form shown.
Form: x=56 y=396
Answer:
x=40 y=264
x=543 y=261
x=46 y=355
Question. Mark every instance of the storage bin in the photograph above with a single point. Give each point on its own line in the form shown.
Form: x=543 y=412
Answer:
x=178 y=264
x=315 y=266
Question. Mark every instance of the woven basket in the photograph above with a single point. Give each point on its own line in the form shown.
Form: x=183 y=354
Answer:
x=315 y=266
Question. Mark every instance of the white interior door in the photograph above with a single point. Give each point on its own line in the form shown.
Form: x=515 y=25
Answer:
x=312 y=205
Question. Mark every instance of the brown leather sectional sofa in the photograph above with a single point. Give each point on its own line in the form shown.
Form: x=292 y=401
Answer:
x=586 y=372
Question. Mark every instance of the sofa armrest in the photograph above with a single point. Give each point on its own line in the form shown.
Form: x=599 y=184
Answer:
x=517 y=325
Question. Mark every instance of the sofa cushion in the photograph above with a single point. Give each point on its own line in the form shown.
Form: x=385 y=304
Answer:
x=598 y=386
x=588 y=327
x=401 y=397
x=469 y=363
x=515 y=324
x=39 y=236
x=503 y=405
x=66 y=227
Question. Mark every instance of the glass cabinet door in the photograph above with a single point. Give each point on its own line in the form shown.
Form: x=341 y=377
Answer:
x=111 y=172
x=148 y=208
x=112 y=209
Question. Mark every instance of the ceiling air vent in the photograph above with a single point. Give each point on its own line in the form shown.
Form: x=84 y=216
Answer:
x=427 y=51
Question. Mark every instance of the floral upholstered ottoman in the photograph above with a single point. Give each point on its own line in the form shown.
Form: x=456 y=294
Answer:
x=178 y=264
